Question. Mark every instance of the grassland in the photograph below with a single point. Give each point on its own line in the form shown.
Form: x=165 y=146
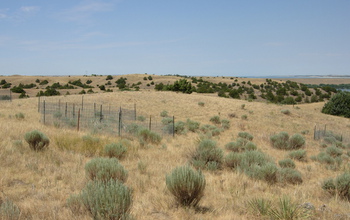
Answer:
x=39 y=183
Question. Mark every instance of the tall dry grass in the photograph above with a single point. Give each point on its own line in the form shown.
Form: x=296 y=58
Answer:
x=40 y=182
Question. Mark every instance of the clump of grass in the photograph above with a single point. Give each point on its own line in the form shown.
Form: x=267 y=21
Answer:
x=147 y=136
x=104 y=169
x=207 y=155
x=298 y=155
x=287 y=209
x=107 y=200
x=180 y=127
x=37 y=140
x=9 y=210
x=186 y=185
x=333 y=151
x=164 y=114
x=284 y=142
x=117 y=150
x=141 y=118
x=246 y=135
x=287 y=163
x=242 y=106
x=91 y=145
x=215 y=119
x=244 y=117
x=260 y=206
x=19 y=115
x=201 y=104
x=286 y=112
x=340 y=186
x=225 y=124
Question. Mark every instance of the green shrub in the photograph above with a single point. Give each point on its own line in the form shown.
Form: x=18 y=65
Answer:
x=266 y=172
x=207 y=152
x=298 y=155
x=180 y=127
x=215 y=119
x=287 y=163
x=338 y=105
x=296 y=142
x=19 y=115
x=341 y=186
x=133 y=128
x=116 y=150
x=286 y=112
x=244 y=117
x=250 y=146
x=107 y=200
x=141 y=118
x=9 y=210
x=147 y=136
x=233 y=160
x=225 y=124
x=192 y=125
x=325 y=158
x=187 y=185
x=167 y=120
x=104 y=169
x=37 y=141
x=234 y=146
x=289 y=175
x=201 y=104
x=245 y=135
x=164 y=114
x=333 y=151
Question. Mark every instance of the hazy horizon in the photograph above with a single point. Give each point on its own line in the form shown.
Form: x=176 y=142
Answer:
x=197 y=38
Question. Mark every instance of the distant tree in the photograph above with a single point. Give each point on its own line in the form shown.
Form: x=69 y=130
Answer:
x=339 y=105
x=109 y=77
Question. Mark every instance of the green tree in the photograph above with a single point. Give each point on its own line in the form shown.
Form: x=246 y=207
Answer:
x=339 y=105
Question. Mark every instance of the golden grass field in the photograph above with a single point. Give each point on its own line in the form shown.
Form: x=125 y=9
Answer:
x=39 y=183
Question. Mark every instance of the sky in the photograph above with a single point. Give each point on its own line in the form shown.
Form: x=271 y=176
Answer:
x=185 y=37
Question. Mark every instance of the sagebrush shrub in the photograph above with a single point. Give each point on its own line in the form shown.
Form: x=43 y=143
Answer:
x=325 y=158
x=296 y=142
x=232 y=160
x=148 y=136
x=298 y=155
x=266 y=172
x=289 y=175
x=287 y=163
x=246 y=135
x=192 y=125
x=207 y=152
x=37 y=140
x=107 y=200
x=187 y=185
x=280 y=141
x=180 y=127
x=141 y=118
x=116 y=150
x=225 y=124
x=341 y=186
x=164 y=113
x=333 y=151
x=104 y=169
x=9 y=210
x=215 y=119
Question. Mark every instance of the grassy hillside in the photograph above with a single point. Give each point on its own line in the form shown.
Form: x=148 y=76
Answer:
x=40 y=183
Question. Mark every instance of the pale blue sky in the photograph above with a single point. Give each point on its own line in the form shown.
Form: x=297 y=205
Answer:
x=186 y=37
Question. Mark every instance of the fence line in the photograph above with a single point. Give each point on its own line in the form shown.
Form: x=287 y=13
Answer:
x=5 y=95
x=102 y=118
x=320 y=132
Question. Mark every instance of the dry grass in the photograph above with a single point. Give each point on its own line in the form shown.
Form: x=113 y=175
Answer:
x=40 y=182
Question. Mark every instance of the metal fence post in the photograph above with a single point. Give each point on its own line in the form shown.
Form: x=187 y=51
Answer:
x=38 y=103
x=78 y=119
x=65 y=112
x=95 y=109
x=315 y=133
x=135 y=111
x=82 y=103
x=101 y=116
x=44 y=111
x=73 y=110
x=173 y=126
x=10 y=96
x=120 y=122
x=150 y=123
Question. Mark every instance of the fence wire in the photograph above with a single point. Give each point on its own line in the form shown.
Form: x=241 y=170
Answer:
x=5 y=95
x=100 y=118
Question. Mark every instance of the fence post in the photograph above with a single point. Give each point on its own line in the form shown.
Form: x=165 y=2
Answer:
x=73 y=110
x=59 y=105
x=173 y=126
x=44 y=111
x=10 y=96
x=82 y=103
x=315 y=133
x=325 y=128
x=94 y=109
x=65 y=112
x=135 y=111
x=101 y=116
x=120 y=122
x=78 y=120
x=150 y=123
x=38 y=103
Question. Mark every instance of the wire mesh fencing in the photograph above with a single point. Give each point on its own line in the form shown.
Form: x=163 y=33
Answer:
x=100 y=118
x=5 y=95
x=321 y=132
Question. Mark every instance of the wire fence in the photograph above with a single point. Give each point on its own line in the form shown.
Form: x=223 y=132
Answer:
x=100 y=118
x=322 y=131
x=5 y=95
